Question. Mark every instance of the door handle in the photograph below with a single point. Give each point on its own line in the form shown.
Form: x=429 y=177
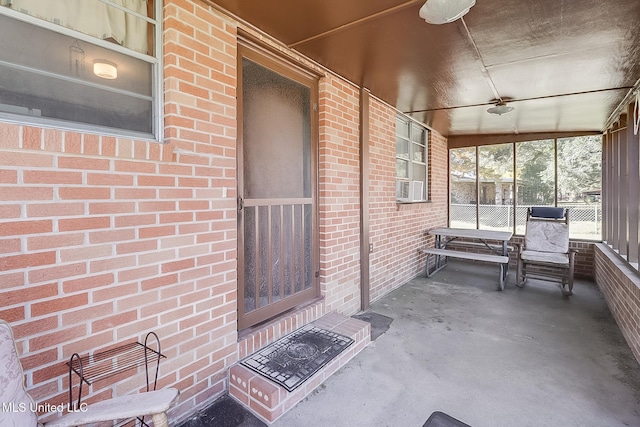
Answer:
x=240 y=203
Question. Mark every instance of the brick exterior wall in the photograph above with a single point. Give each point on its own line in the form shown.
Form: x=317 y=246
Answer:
x=105 y=238
x=397 y=231
x=339 y=185
x=620 y=285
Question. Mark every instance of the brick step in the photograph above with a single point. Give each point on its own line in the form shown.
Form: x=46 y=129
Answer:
x=268 y=400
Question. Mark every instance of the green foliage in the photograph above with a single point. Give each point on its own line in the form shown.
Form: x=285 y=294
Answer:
x=579 y=167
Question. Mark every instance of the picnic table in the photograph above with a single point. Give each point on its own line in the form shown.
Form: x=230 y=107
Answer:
x=495 y=241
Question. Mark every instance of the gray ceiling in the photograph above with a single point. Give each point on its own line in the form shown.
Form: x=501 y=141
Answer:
x=565 y=65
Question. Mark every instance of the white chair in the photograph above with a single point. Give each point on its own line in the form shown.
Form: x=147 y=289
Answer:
x=17 y=404
x=546 y=248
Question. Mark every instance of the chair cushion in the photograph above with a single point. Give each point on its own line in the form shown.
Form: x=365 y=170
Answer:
x=12 y=390
x=547 y=236
x=548 y=257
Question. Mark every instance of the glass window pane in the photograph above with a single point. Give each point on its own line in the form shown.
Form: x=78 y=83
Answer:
x=94 y=18
x=418 y=153
x=402 y=168
x=419 y=172
x=417 y=134
x=462 y=166
x=402 y=148
x=51 y=75
x=535 y=173
x=579 y=184
x=276 y=134
x=495 y=164
x=402 y=128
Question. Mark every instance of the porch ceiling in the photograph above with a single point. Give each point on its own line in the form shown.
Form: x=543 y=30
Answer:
x=565 y=65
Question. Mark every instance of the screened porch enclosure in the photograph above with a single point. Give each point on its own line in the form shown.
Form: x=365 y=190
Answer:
x=563 y=172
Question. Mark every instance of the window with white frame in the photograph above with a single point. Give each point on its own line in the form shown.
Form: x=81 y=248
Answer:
x=411 y=161
x=86 y=64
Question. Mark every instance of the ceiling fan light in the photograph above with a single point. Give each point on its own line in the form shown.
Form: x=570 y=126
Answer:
x=445 y=11
x=500 y=108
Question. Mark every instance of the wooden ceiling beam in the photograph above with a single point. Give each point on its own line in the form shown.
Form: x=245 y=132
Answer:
x=461 y=141
x=343 y=27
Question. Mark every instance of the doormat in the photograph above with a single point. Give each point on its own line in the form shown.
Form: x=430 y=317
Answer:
x=293 y=359
x=440 y=419
x=379 y=323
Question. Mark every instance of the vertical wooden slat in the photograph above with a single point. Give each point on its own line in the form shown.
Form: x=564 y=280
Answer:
x=515 y=189
x=477 y=187
x=304 y=248
x=623 y=191
x=293 y=249
x=633 y=198
x=282 y=295
x=555 y=172
x=604 y=187
x=269 y=257
x=257 y=256
x=615 y=198
x=609 y=192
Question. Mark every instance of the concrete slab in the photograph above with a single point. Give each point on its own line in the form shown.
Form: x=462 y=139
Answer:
x=521 y=357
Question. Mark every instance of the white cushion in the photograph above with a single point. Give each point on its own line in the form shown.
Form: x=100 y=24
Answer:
x=548 y=257
x=12 y=389
x=547 y=236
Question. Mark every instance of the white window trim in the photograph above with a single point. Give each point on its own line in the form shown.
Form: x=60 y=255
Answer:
x=410 y=182
x=157 y=77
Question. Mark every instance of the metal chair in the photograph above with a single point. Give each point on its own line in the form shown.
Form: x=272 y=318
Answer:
x=18 y=408
x=545 y=254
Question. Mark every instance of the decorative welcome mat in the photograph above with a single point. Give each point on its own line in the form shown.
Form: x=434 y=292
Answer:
x=292 y=359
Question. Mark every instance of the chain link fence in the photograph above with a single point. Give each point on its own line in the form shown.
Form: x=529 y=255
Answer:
x=585 y=220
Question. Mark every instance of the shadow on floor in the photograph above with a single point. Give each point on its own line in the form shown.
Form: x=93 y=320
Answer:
x=225 y=412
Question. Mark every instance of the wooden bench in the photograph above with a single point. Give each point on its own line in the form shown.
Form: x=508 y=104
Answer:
x=503 y=261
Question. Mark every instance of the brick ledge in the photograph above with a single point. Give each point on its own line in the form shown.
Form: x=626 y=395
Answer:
x=268 y=400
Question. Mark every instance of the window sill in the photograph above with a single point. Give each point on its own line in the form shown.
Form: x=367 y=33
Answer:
x=406 y=206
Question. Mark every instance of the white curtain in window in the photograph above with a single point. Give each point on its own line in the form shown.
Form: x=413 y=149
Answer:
x=92 y=17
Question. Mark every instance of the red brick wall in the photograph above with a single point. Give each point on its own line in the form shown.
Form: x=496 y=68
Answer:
x=106 y=238
x=397 y=231
x=339 y=185
x=620 y=285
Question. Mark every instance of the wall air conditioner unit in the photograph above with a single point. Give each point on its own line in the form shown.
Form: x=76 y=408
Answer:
x=402 y=191
x=416 y=191
x=409 y=191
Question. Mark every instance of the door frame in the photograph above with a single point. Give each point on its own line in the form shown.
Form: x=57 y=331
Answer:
x=263 y=55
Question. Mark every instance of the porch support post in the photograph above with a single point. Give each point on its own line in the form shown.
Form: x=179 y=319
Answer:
x=364 y=199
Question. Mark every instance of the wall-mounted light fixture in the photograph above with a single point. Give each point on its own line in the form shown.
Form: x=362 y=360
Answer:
x=445 y=11
x=105 y=69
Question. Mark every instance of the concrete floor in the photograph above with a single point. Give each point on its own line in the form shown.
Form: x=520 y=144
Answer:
x=522 y=357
